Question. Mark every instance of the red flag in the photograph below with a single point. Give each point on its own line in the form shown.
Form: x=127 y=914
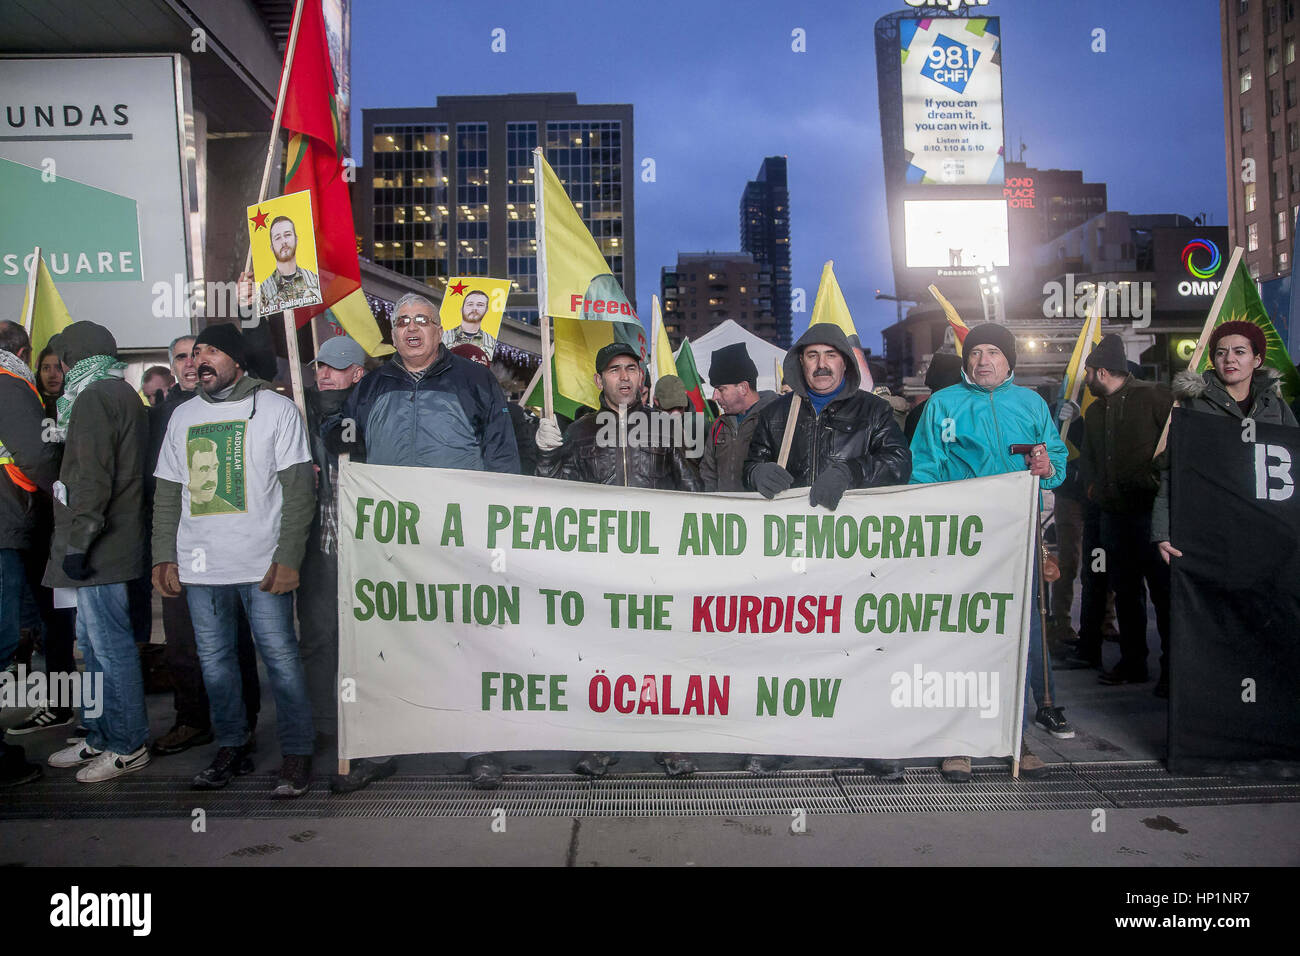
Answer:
x=314 y=164
x=691 y=378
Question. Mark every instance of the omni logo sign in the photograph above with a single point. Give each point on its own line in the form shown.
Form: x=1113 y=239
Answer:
x=1202 y=249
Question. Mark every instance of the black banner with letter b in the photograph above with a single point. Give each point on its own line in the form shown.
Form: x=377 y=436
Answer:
x=1235 y=595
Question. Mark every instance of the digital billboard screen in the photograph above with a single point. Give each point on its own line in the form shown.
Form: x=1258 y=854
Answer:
x=952 y=100
x=955 y=234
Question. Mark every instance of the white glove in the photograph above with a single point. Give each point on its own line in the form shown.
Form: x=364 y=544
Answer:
x=1067 y=411
x=548 y=434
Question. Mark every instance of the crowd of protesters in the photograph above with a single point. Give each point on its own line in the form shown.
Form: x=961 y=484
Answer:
x=209 y=484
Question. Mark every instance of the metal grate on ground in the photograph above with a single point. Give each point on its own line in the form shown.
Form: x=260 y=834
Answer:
x=716 y=794
x=922 y=790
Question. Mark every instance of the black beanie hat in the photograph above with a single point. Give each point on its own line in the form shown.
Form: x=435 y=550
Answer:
x=1108 y=354
x=226 y=337
x=944 y=370
x=731 y=365
x=990 y=333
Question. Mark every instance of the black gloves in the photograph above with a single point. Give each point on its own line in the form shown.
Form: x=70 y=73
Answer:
x=76 y=566
x=770 y=479
x=830 y=485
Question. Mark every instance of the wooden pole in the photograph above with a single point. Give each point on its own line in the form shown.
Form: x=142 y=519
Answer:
x=344 y=604
x=532 y=382
x=295 y=362
x=1210 y=321
x=776 y=375
x=544 y=318
x=31 y=295
x=796 y=403
x=271 y=148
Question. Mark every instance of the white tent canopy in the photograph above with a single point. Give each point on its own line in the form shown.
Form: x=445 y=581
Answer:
x=764 y=353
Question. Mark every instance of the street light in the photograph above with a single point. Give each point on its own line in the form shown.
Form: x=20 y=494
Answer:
x=990 y=292
x=898 y=302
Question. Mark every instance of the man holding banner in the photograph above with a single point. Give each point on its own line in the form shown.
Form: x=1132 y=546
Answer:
x=844 y=438
x=425 y=408
x=584 y=453
x=969 y=430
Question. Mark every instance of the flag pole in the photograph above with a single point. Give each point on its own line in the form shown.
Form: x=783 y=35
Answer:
x=290 y=330
x=543 y=317
x=289 y=49
x=787 y=439
x=1211 y=321
x=532 y=384
x=656 y=323
x=31 y=293
x=1076 y=387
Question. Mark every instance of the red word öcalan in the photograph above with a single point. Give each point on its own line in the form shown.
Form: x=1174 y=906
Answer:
x=622 y=693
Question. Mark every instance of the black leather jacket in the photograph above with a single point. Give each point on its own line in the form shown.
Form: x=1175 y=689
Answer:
x=634 y=465
x=857 y=428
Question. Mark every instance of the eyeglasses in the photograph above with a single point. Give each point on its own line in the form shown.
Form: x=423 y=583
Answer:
x=402 y=321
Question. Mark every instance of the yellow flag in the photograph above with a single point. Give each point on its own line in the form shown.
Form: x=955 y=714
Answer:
x=358 y=321
x=661 y=360
x=569 y=260
x=1072 y=387
x=959 y=328
x=49 y=316
x=830 y=305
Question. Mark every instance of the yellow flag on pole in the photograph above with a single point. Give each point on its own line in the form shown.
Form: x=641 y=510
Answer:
x=959 y=328
x=830 y=305
x=573 y=260
x=661 y=359
x=44 y=313
x=1072 y=384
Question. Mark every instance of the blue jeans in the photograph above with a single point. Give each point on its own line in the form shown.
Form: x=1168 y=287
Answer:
x=213 y=612
x=13 y=583
x=108 y=645
x=1039 y=678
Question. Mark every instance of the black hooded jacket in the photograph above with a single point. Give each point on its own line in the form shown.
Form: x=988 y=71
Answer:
x=857 y=428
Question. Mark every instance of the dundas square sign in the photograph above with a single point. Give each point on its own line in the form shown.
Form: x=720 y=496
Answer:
x=95 y=170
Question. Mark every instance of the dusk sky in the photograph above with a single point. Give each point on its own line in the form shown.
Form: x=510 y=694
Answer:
x=715 y=87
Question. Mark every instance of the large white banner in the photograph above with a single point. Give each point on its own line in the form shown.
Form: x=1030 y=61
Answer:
x=484 y=612
x=952 y=100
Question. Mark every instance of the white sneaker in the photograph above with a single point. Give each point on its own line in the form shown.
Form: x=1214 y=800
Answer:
x=74 y=756
x=109 y=765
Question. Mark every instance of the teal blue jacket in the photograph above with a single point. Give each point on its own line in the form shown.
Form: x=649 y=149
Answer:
x=980 y=425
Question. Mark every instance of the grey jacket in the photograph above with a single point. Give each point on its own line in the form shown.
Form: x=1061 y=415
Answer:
x=723 y=466
x=453 y=415
x=1205 y=393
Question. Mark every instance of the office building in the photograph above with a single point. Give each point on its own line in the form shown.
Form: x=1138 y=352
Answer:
x=705 y=289
x=448 y=189
x=765 y=234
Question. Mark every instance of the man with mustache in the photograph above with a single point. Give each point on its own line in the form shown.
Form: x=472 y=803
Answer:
x=844 y=438
x=290 y=286
x=232 y=508
x=425 y=408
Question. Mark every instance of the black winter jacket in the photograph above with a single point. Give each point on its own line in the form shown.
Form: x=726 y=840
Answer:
x=857 y=428
x=585 y=456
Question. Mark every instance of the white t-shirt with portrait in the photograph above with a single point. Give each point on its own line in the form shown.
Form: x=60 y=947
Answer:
x=226 y=457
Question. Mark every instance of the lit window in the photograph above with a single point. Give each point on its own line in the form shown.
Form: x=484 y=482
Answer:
x=1252 y=237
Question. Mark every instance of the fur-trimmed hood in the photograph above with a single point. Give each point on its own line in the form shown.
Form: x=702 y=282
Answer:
x=1189 y=384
